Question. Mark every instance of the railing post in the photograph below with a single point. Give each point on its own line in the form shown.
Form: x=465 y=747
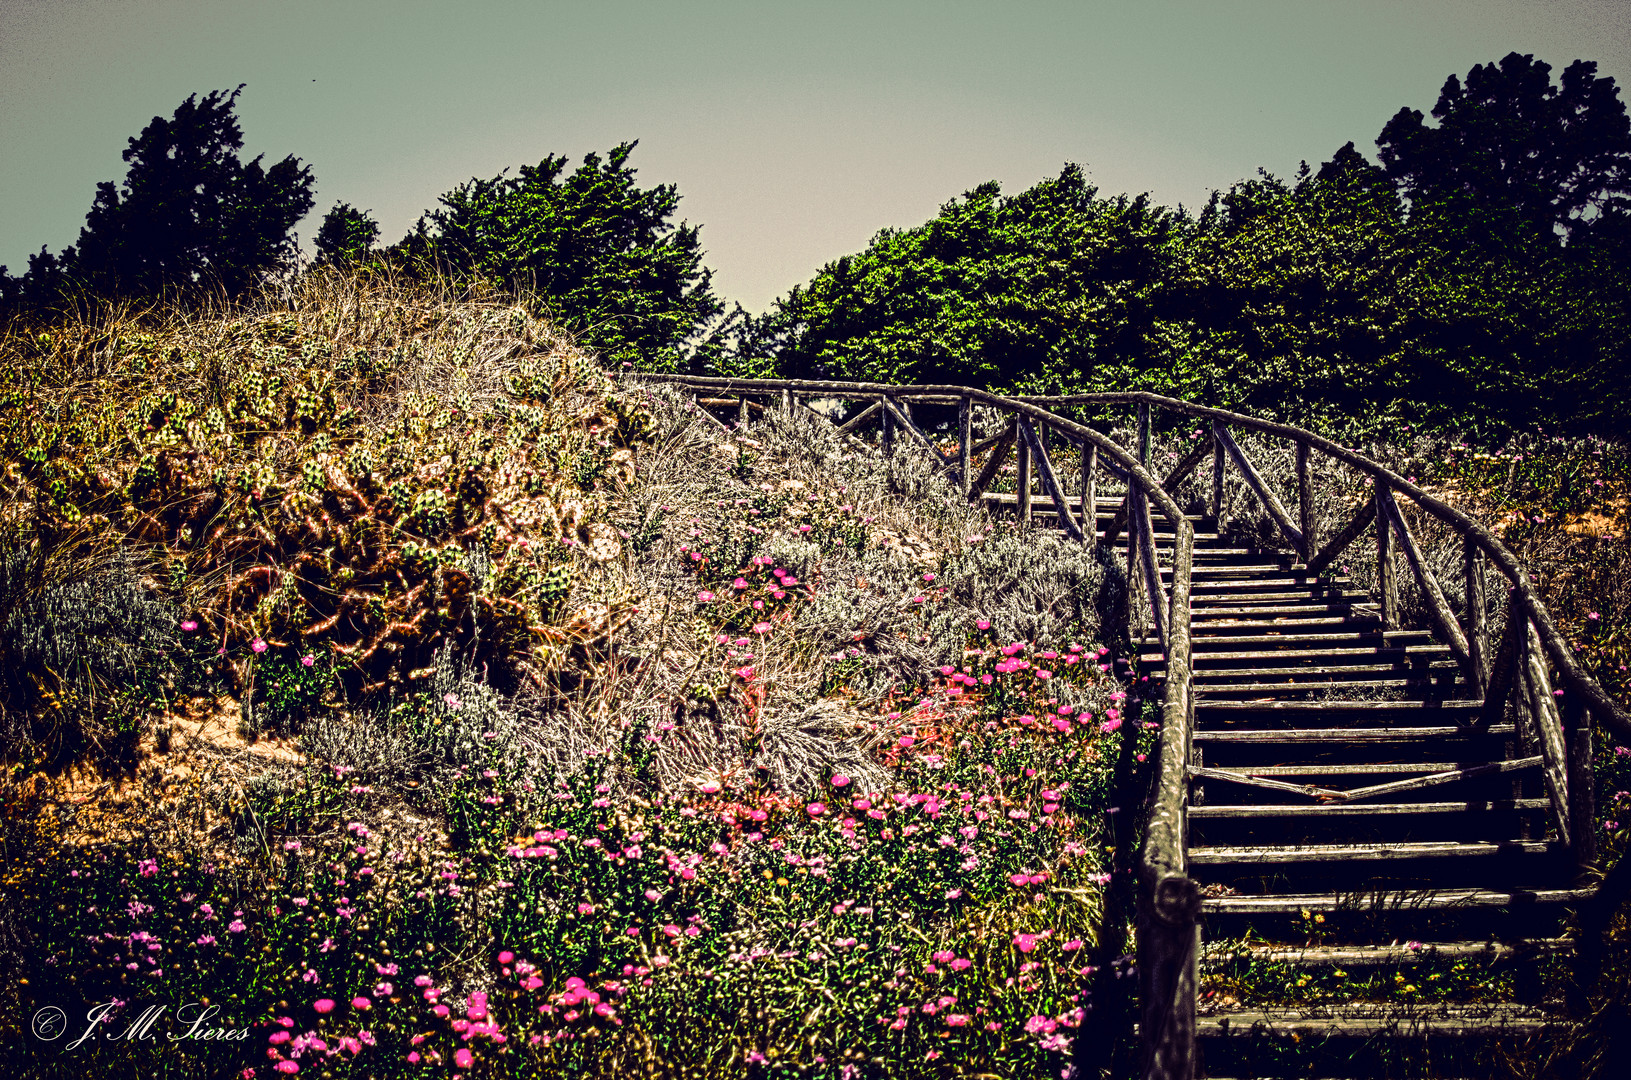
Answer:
x=1217 y=474
x=888 y=438
x=965 y=439
x=1582 y=782
x=741 y=410
x=1023 y=447
x=787 y=402
x=1305 y=501
x=1144 y=434
x=1132 y=564
x=1090 y=494
x=1386 y=584
x=1477 y=613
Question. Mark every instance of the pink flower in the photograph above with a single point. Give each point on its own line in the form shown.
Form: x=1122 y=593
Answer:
x=189 y=625
x=816 y=809
x=1071 y=945
x=361 y=1003
x=983 y=624
x=323 y=1006
x=258 y=645
x=956 y=1020
x=804 y=528
x=1110 y=725
x=840 y=780
x=739 y=583
x=463 y=1058
x=506 y=957
x=671 y=930
x=1025 y=942
x=704 y=597
x=761 y=628
x=905 y=741
x=477 y=1009
x=451 y=701
x=919 y=599
x=308 y=660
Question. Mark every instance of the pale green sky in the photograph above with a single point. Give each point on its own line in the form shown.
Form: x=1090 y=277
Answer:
x=794 y=130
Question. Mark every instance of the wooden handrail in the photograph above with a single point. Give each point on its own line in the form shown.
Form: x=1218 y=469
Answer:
x=1169 y=899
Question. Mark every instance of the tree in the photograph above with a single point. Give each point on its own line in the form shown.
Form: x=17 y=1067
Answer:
x=189 y=213
x=1508 y=140
x=1047 y=289
x=599 y=249
x=346 y=235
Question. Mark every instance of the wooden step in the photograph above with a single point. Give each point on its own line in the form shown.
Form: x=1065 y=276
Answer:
x=1360 y=809
x=1425 y=900
x=1370 y=1021
x=1322 y=853
x=1396 y=955
x=1391 y=638
x=1214 y=691
x=1310 y=673
x=1342 y=735
x=1458 y=707
x=1330 y=655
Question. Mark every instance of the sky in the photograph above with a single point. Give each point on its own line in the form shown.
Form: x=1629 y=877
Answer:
x=794 y=131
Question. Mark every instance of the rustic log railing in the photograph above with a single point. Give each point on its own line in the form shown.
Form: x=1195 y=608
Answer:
x=1509 y=668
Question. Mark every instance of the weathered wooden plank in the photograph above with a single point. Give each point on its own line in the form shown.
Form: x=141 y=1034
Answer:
x=1503 y=673
x=965 y=438
x=1582 y=781
x=1339 y=543
x=1090 y=495
x=1437 y=608
x=1235 y=776
x=1271 y=501
x=1381 y=955
x=1305 y=498
x=900 y=417
x=1217 y=477
x=1022 y=484
x=1386 y=586
x=999 y=455
x=1157 y=594
x=861 y=417
x=1549 y=732
x=1044 y=466
x=1467 y=1021
x=1477 y=613
x=1338 y=735
x=1134 y=619
x=1169 y=900
x=1471 y=772
x=1177 y=476
x=1268 y=810
x=1144 y=433
x=1365 y=852
x=1429 y=900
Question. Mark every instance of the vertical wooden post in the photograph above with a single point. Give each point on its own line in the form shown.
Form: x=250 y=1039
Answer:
x=787 y=402
x=1386 y=583
x=1144 y=434
x=965 y=439
x=1582 y=781
x=1477 y=613
x=1090 y=494
x=1023 y=488
x=1135 y=620
x=741 y=410
x=1305 y=501
x=1217 y=475
x=888 y=427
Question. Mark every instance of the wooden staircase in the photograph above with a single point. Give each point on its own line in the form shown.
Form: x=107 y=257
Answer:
x=1381 y=884
x=1343 y=809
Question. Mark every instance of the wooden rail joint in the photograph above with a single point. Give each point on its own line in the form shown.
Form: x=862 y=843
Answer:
x=1176 y=900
